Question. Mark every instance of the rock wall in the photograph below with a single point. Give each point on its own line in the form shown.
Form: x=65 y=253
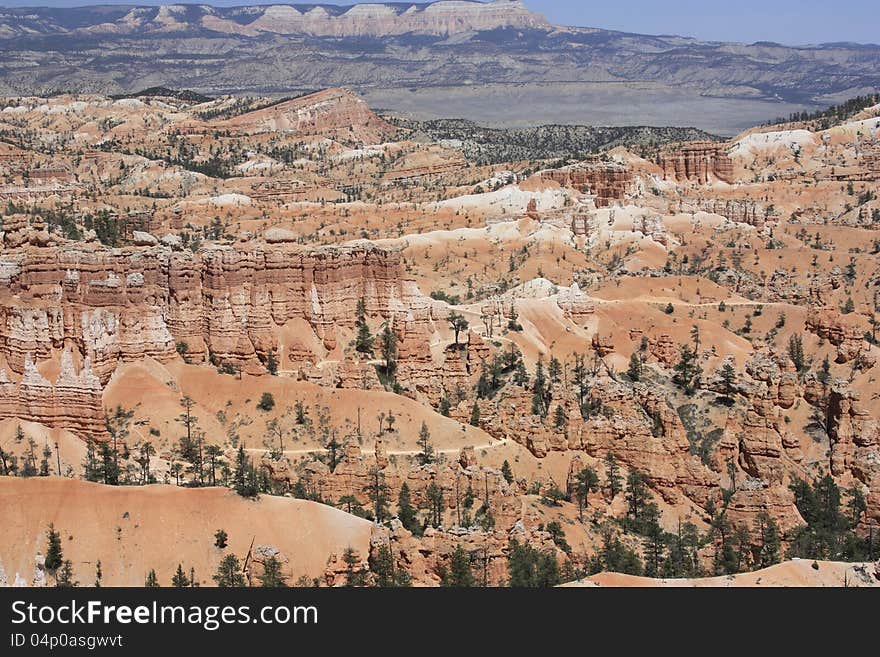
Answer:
x=740 y=211
x=606 y=181
x=227 y=303
x=698 y=162
x=73 y=402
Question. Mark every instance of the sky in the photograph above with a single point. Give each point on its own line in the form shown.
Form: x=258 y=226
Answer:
x=783 y=21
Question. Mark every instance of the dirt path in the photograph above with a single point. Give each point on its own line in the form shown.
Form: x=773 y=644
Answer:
x=452 y=450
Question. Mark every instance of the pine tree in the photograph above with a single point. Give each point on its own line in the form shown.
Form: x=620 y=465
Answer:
x=612 y=473
x=634 y=371
x=364 y=339
x=586 y=481
x=272 y=577
x=354 y=576
x=459 y=573
x=637 y=497
x=389 y=350
x=377 y=492
x=179 y=580
x=728 y=379
x=539 y=391
x=229 y=573
x=426 y=455
x=475 y=414
x=554 y=370
x=796 y=352
x=506 y=472
x=458 y=324
x=244 y=480
x=99 y=574
x=688 y=372
x=54 y=553
x=529 y=567
x=272 y=363
x=221 y=539
x=109 y=467
x=383 y=567
x=560 y=419
x=434 y=495
x=64 y=577
x=769 y=539
x=444 y=406
x=151 y=581
x=405 y=511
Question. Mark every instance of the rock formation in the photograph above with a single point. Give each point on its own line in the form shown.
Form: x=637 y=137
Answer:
x=606 y=181
x=73 y=402
x=697 y=161
x=223 y=302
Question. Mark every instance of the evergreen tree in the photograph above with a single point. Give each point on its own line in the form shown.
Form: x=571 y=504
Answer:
x=616 y=557
x=389 y=350
x=560 y=419
x=540 y=392
x=459 y=573
x=586 y=481
x=364 y=339
x=444 y=406
x=434 y=495
x=377 y=492
x=354 y=576
x=475 y=414
x=44 y=462
x=529 y=567
x=458 y=324
x=64 y=577
x=769 y=540
x=267 y=402
x=179 y=580
x=151 y=581
x=688 y=372
x=554 y=370
x=728 y=380
x=829 y=533
x=383 y=567
x=244 y=480
x=108 y=465
x=405 y=511
x=634 y=371
x=426 y=455
x=221 y=539
x=272 y=363
x=229 y=573
x=54 y=553
x=612 y=474
x=637 y=497
x=796 y=352
x=824 y=373
x=506 y=472
x=272 y=577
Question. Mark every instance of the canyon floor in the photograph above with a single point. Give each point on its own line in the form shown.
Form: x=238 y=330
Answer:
x=373 y=357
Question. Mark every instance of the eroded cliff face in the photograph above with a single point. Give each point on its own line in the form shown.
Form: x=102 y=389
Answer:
x=606 y=181
x=226 y=305
x=698 y=162
x=73 y=402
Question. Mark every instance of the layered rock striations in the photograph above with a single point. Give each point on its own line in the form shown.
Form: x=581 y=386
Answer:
x=73 y=402
x=606 y=181
x=222 y=303
x=699 y=162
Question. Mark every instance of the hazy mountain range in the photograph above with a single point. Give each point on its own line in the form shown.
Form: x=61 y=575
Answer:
x=493 y=62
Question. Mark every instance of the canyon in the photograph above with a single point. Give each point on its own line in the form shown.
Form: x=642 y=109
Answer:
x=417 y=351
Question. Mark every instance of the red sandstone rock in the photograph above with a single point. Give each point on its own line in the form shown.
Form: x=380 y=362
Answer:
x=697 y=161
